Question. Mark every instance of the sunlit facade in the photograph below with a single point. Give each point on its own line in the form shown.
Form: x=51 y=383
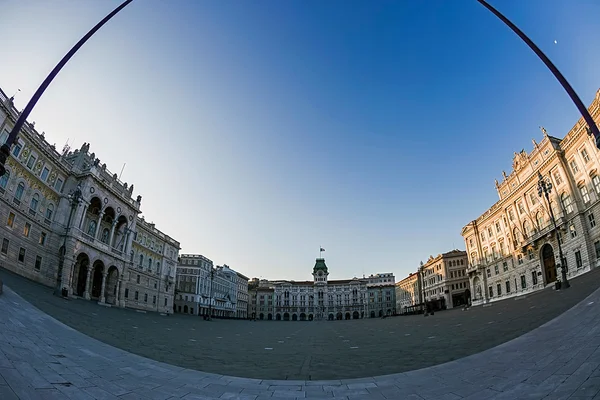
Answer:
x=445 y=281
x=513 y=246
x=43 y=227
x=321 y=298
x=407 y=292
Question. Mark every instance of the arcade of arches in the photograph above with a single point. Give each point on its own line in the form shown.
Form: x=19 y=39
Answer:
x=95 y=281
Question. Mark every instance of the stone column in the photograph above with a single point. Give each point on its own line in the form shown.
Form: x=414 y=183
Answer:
x=102 y=294
x=82 y=215
x=112 y=234
x=88 y=283
x=99 y=226
x=121 y=292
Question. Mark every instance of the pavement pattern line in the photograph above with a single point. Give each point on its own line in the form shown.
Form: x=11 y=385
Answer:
x=41 y=358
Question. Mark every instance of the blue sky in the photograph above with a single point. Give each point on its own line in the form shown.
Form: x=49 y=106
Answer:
x=257 y=131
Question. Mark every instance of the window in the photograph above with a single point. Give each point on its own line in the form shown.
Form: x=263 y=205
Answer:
x=92 y=228
x=38 y=262
x=145 y=297
x=4 y=180
x=557 y=178
x=44 y=174
x=585 y=194
x=502 y=248
x=58 y=185
x=574 y=167
x=491 y=291
x=165 y=301
x=573 y=231
x=505 y=266
x=141 y=261
x=578 y=260
x=126 y=292
x=499 y=289
x=592 y=220
x=158 y=267
x=507 y=286
x=496 y=270
x=523 y=282
x=497 y=226
x=511 y=215
x=566 y=202
x=33 y=204
x=482 y=236
x=534 y=277
x=596 y=182
x=585 y=156
x=21 y=254
x=490 y=233
x=17 y=149
x=11 y=220
x=530 y=254
x=149 y=263
x=489 y=274
x=533 y=199
x=136 y=295
x=5 y=243
x=26 y=229
x=19 y=191
x=4 y=136
x=540 y=219
x=520 y=259
x=521 y=209
x=31 y=161
x=49 y=212
x=43 y=238
x=138 y=279
x=153 y=299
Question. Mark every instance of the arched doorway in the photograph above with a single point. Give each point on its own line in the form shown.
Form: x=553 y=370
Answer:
x=80 y=274
x=185 y=309
x=110 y=292
x=355 y=315
x=381 y=313
x=310 y=317
x=294 y=317
x=286 y=316
x=98 y=270
x=347 y=315
x=269 y=316
x=548 y=264
x=331 y=317
x=338 y=316
x=278 y=317
x=261 y=316
x=302 y=317
x=372 y=314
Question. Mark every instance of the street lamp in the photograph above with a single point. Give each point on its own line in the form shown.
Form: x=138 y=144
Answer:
x=544 y=189
x=74 y=198
x=592 y=127
x=422 y=291
x=5 y=149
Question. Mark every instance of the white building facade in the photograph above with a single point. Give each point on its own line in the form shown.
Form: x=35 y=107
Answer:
x=513 y=246
x=81 y=243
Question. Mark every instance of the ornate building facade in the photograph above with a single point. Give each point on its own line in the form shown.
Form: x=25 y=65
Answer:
x=445 y=281
x=513 y=246
x=321 y=298
x=407 y=292
x=66 y=220
x=206 y=290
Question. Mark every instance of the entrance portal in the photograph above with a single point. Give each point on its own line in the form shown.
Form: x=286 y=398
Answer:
x=548 y=264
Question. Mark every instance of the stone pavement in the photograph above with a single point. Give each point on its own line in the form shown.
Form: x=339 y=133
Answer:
x=41 y=358
x=308 y=350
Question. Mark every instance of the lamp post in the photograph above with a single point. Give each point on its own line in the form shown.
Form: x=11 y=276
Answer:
x=5 y=149
x=544 y=189
x=212 y=274
x=592 y=127
x=74 y=199
x=422 y=291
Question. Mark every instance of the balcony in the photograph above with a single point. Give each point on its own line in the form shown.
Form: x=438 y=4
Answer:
x=544 y=232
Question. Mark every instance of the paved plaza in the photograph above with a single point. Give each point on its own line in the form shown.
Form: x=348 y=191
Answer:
x=308 y=350
x=41 y=358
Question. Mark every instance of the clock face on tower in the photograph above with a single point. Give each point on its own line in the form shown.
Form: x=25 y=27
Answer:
x=320 y=273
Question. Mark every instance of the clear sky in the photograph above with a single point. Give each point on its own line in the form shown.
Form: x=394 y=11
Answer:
x=257 y=131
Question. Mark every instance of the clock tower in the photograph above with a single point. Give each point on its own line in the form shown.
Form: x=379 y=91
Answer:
x=320 y=272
